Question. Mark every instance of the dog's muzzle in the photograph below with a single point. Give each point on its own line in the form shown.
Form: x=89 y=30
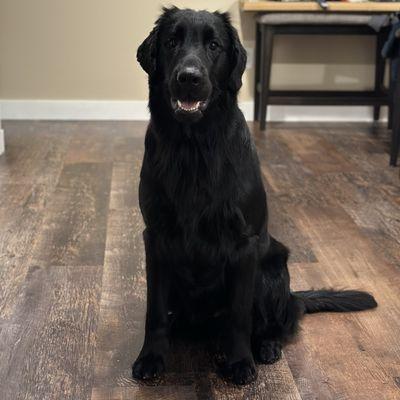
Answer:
x=190 y=89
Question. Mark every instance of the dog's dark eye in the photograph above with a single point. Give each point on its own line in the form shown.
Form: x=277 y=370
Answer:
x=213 y=45
x=172 y=43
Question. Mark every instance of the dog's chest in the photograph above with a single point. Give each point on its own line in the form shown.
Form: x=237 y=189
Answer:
x=201 y=190
x=192 y=172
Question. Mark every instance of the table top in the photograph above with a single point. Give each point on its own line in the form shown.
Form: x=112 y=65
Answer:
x=309 y=6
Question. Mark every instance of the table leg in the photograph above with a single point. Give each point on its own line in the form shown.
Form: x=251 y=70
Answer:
x=267 y=36
x=395 y=145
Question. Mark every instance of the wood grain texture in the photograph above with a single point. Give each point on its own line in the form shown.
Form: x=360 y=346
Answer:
x=275 y=382
x=35 y=152
x=73 y=287
x=74 y=228
x=47 y=345
x=145 y=393
x=123 y=296
x=29 y=172
x=21 y=213
x=265 y=6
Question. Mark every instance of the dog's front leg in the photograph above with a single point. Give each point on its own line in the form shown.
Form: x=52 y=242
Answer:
x=239 y=364
x=151 y=360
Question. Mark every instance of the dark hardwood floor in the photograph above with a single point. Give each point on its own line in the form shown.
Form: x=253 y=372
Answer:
x=72 y=282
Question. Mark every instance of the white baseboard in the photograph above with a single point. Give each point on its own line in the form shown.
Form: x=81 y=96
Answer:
x=137 y=110
x=314 y=113
x=74 y=110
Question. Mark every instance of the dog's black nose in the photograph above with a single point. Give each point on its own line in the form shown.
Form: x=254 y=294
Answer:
x=189 y=76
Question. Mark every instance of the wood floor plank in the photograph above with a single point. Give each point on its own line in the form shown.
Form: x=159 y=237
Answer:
x=374 y=208
x=29 y=172
x=275 y=382
x=316 y=153
x=128 y=149
x=105 y=141
x=74 y=228
x=284 y=228
x=21 y=215
x=344 y=356
x=367 y=149
x=35 y=152
x=144 y=393
x=70 y=331
x=280 y=168
x=90 y=144
x=46 y=347
x=351 y=353
x=123 y=294
x=366 y=189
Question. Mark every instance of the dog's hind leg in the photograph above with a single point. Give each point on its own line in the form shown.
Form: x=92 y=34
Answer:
x=276 y=311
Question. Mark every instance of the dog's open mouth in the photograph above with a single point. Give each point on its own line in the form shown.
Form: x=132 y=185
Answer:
x=188 y=106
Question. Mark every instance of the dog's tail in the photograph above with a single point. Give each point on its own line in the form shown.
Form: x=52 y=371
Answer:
x=335 y=300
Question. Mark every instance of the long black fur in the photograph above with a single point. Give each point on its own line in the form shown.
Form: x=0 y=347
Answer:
x=210 y=259
x=333 y=300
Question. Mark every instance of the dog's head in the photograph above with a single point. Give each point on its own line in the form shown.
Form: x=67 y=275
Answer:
x=195 y=57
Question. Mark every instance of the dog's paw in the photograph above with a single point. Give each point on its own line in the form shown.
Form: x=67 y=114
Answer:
x=149 y=366
x=268 y=352
x=241 y=372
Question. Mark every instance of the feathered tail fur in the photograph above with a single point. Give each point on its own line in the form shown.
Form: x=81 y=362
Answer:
x=335 y=300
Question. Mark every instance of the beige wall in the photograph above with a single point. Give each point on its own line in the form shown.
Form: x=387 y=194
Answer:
x=85 y=49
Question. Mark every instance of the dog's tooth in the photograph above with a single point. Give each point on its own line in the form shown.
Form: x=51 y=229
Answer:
x=185 y=107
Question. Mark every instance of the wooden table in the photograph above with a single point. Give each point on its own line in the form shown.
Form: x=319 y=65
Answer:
x=310 y=6
x=264 y=96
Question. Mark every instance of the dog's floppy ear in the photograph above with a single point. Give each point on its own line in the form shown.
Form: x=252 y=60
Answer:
x=239 y=58
x=238 y=55
x=147 y=51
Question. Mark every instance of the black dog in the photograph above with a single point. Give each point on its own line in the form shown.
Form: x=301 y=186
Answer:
x=208 y=251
